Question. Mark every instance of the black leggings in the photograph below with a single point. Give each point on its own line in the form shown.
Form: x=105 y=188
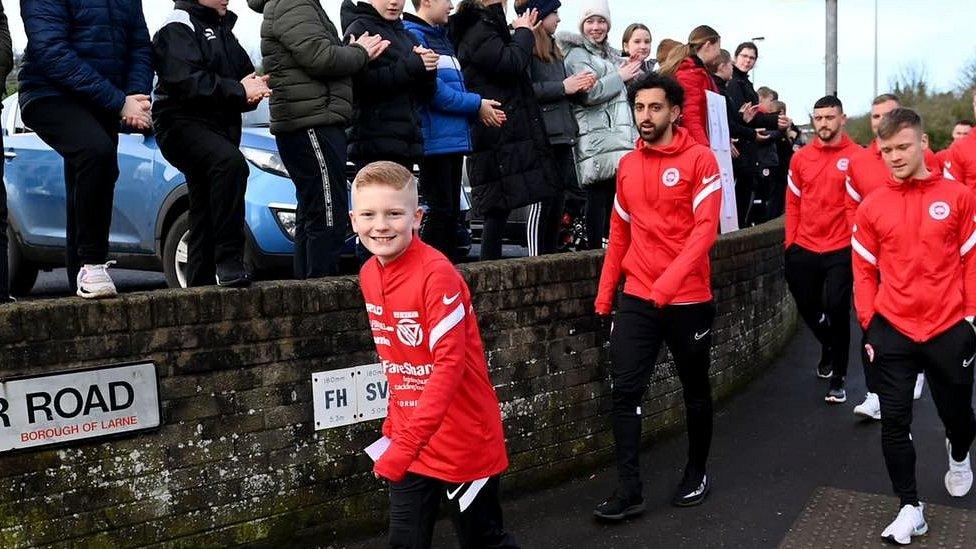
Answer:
x=947 y=361
x=639 y=329
x=414 y=502
x=821 y=285
x=599 y=203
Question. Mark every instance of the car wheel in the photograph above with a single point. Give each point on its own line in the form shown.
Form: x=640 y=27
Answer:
x=23 y=272
x=175 y=252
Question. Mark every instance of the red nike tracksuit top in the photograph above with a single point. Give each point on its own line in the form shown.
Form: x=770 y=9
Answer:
x=913 y=260
x=665 y=220
x=443 y=416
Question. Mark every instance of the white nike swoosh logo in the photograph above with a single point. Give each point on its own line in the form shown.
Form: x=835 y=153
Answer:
x=450 y=495
x=450 y=300
x=701 y=335
x=708 y=180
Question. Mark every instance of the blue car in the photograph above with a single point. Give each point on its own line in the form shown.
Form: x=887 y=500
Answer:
x=149 y=217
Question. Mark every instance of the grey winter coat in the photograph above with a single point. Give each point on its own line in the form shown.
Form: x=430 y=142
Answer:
x=557 y=110
x=606 y=124
x=310 y=68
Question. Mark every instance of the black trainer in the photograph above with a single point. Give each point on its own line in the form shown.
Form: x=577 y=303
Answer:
x=617 y=508
x=232 y=275
x=691 y=491
x=825 y=368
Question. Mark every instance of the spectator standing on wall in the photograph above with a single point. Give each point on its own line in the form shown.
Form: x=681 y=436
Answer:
x=606 y=124
x=637 y=44
x=511 y=165
x=555 y=89
x=742 y=95
x=738 y=119
x=311 y=72
x=689 y=64
x=446 y=120
x=388 y=92
x=6 y=65
x=87 y=67
x=788 y=143
x=205 y=81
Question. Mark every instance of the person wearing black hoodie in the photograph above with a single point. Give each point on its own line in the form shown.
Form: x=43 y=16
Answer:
x=205 y=81
x=388 y=92
x=511 y=165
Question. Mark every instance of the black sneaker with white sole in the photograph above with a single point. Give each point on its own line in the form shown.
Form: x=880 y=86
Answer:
x=617 y=507
x=825 y=367
x=233 y=275
x=836 y=396
x=691 y=491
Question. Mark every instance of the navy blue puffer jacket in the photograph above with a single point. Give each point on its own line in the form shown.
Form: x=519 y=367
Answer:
x=94 y=50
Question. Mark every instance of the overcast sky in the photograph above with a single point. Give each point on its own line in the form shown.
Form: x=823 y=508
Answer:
x=935 y=34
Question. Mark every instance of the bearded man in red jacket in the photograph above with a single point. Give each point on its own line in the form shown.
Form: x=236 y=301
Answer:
x=664 y=222
x=915 y=295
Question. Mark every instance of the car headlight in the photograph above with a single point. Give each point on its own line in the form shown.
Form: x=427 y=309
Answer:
x=285 y=216
x=266 y=161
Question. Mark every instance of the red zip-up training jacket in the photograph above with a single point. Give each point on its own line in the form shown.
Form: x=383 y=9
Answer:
x=665 y=219
x=443 y=416
x=960 y=161
x=868 y=172
x=913 y=260
x=816 y=217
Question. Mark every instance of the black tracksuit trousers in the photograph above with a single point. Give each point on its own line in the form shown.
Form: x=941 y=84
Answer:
x=414 y=503
x=947 y=361
x=639 y=329
x=440 y=185
x=87 y=139
x=216 y=179
x=316 y=161
x=821 y=285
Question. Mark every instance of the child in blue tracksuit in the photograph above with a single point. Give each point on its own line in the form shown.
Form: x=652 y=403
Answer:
x=445 y=119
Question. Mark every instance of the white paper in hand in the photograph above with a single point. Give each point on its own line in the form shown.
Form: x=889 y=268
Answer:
x=378 y=448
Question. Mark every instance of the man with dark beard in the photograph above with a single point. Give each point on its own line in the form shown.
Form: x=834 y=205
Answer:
x=818 y=240
x=667 y=205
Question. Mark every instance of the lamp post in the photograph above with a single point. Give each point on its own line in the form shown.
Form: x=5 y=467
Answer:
x=831 y=57
x=875 y=48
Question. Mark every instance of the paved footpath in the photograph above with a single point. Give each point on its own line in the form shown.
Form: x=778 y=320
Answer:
x=780 y=456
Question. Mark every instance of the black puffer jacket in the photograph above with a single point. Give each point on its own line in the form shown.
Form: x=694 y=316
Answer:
x=510 y=166
x=557 y=111
x=386 y=94
x=740 y=91
x=200 y=65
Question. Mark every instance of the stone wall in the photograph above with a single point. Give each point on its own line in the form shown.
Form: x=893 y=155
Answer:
x=236 y=459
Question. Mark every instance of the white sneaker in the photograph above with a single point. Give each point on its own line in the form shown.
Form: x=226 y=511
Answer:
x=919 y=383
x=870 y=408
x=959 y=478
x=907 y=524
x=94 y=282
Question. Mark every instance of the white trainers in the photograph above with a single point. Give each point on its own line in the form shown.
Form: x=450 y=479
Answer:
x=870 y=408
x=919 y=383
x=907 y=524
x=94 y=282
x=959 y=478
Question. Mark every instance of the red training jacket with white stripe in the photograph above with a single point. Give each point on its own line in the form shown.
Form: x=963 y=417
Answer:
x=443 y=415
x=816 y=190
x=868 y=172
x=665 y=219
x=913 y=260
x=960 y=161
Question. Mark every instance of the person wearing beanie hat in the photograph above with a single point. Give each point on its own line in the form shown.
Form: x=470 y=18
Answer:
x=543 y=7
x=600 y=8
x=606 y=124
